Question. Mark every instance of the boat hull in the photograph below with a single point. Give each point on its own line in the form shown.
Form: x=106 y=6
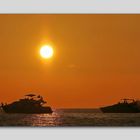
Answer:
x=121 y=108
x=33 y=110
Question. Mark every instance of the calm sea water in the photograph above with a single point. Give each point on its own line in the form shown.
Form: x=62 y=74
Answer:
x=71 y=117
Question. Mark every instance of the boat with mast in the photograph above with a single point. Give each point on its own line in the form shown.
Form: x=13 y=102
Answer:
x=124 y=106
x=31 y=104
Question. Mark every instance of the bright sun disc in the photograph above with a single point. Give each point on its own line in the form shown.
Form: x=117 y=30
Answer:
x=46 y=51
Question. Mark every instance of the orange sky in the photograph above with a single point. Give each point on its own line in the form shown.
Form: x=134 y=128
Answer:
x=96 y=58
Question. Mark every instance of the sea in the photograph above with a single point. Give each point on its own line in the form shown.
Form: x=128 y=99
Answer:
x=70 y=118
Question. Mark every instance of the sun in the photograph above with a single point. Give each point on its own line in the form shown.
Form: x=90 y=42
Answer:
x=46 y=51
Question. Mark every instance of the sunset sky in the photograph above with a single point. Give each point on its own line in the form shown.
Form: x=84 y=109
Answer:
x=96 y=59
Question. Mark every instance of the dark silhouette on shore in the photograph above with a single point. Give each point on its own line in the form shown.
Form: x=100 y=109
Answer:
x=31 y=104
x=125 y=106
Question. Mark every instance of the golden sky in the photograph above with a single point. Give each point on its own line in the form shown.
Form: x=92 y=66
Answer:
x=96 y=58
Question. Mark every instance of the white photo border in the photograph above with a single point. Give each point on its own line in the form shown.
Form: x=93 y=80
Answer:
x=69 y=7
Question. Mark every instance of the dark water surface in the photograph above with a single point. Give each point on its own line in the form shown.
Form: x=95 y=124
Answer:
x=71 y=117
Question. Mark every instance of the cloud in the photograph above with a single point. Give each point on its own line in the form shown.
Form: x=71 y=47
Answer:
x=72 y=66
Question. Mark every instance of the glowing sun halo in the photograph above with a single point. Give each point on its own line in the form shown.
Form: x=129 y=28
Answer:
x=46 y=51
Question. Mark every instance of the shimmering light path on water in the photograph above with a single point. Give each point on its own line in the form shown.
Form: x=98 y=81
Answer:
x=71 y=117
